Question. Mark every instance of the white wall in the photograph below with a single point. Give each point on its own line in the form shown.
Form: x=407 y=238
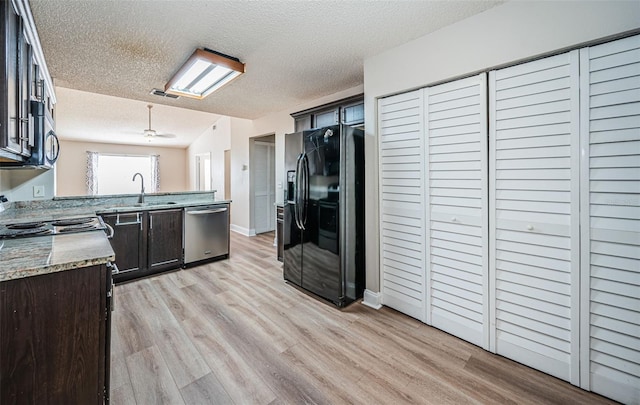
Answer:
x=505 y=34
x=71 y=167
x=17 y=184
x=214 y=141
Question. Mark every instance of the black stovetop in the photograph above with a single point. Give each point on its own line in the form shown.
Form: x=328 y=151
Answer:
x=51 y=227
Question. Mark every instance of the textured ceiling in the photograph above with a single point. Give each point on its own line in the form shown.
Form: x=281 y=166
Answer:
x=294 y=51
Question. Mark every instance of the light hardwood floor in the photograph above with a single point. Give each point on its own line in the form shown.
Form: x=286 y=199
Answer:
x=232 y=332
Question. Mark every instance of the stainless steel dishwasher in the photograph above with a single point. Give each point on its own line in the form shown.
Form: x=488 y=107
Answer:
x=206 y=233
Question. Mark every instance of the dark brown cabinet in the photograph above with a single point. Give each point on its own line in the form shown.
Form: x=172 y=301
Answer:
x=22 y=80
x=55 y=332
x=127 y=241
x=10 y=80
x=280 y=231
x=165 y=239
x=146 y=242
x=348 y=111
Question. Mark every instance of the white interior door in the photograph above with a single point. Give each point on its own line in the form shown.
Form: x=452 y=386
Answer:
x=457 y=211
x=263 y=163
x=610 y=92
x=534 y=220
x=402 y=214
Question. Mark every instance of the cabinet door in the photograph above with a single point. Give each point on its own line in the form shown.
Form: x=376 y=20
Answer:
x=10 y=139
x=610 y=113
x=279 y=232
x=402 y=213
x=127 y=241
x=534 y=222
x=26 y=136
x=54 y=337
x=326 y=118
x=165 y=239
x=457 y=226
x=353 y=114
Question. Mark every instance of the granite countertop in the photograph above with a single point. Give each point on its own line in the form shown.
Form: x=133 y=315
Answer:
x=33 y=256
x=53 y=212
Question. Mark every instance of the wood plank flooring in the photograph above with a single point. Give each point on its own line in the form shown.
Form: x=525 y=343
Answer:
x=232 y=332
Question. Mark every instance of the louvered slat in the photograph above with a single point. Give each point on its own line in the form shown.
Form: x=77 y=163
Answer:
x=610 y=111
x=402 y=195
x=457 y=208
x=534 y=173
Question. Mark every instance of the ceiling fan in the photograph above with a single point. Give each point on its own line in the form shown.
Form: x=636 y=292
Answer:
x=152 y=133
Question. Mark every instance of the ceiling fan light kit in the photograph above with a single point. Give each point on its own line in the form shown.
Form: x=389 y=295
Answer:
x=203 y=73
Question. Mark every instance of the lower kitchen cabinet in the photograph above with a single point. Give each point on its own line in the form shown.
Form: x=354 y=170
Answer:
x=165 y=239
x=146 y=242
x=279 y=232
x=127 y=241
x=55 y=333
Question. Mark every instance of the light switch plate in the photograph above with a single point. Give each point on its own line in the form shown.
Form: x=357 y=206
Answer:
x=38 y=191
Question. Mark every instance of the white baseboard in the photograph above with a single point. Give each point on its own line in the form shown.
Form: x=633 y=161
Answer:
x=243 y=231
x=372 y=299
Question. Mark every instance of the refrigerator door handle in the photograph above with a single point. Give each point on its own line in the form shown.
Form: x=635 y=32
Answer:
x=305 y=190
x=297 y=206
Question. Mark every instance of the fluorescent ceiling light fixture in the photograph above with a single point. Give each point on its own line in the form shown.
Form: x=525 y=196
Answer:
x=204 y=72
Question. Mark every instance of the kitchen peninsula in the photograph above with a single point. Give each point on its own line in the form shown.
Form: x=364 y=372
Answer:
x=56 y=291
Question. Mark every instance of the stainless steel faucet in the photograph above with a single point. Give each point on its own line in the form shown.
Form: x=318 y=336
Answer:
x=141 y=198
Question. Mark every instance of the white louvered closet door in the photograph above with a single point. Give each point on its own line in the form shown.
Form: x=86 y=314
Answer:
x=457 y=226
x=534 y=219
x=610 y=92
x=401 y=146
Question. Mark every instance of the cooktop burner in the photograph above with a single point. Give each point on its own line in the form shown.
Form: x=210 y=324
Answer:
x=72 y=221
x=26 y=225
x=53 y=227
x=17 y=233
x=76 y=227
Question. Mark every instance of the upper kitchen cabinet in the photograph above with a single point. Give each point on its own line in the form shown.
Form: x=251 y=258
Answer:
x=9 y=104
x=23 y=78
x=353 y=114
x=348 y=111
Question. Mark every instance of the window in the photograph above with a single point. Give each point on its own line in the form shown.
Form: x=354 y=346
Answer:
x=113 y=174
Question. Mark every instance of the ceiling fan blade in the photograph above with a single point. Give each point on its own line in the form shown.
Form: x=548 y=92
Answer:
x=150 y=133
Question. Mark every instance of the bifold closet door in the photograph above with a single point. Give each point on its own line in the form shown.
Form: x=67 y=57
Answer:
x=457 y=193
x=610 y=113
x=534 y=219
x=402 y=224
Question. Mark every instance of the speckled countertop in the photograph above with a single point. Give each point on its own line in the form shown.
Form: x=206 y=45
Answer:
x=82 y=206
x=33 y=256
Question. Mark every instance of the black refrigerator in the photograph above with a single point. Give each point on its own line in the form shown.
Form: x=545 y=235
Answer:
x=324 y=212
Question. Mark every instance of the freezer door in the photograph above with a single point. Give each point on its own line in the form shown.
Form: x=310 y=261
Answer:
x=292 y=247
x=320 y=239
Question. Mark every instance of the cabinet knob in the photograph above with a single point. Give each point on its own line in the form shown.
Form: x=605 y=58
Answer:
x=454 y=219
x=530 y=227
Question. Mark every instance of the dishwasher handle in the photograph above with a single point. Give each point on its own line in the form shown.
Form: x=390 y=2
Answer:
x=204 y=212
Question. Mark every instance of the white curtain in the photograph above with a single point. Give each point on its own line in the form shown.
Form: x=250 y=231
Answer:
x=92 y=173
x=155 y=173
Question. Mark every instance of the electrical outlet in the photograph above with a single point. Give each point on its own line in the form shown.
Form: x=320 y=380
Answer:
x=38 y=191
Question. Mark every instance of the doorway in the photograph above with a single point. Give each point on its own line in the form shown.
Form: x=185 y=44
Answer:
x=203 y=171
x=264 y=193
